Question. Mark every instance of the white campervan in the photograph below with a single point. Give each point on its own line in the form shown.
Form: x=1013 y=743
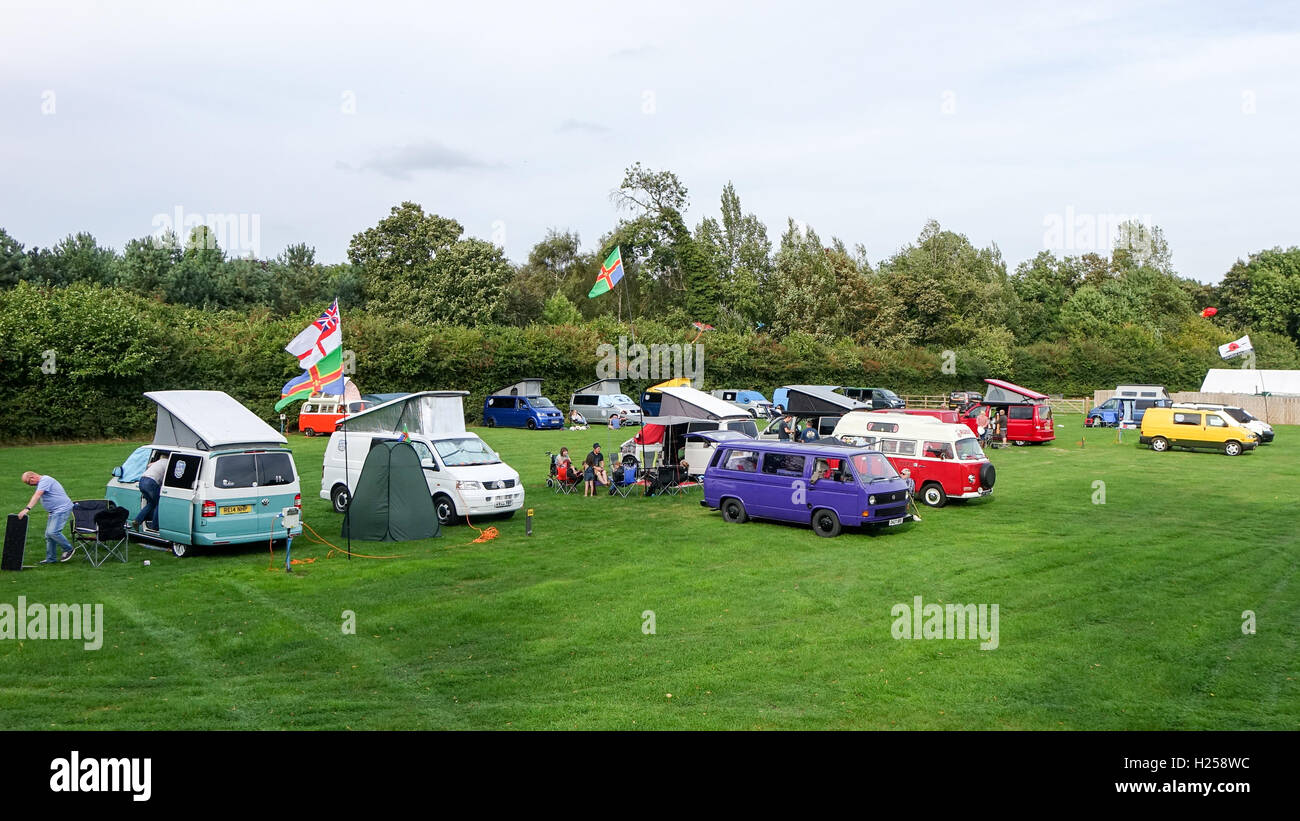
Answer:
x=465 y=476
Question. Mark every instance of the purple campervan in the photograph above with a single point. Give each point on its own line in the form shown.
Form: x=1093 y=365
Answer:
x=823 y=484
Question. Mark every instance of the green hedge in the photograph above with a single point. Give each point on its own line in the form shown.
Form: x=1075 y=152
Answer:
x=109 y=347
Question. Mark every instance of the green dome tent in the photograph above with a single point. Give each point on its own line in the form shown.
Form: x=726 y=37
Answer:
x=392 y=501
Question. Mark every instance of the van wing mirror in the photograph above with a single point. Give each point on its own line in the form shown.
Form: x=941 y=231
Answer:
x=117 y=472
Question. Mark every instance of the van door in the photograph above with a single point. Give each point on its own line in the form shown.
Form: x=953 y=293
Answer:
x=249 y=490
x=178 y=497
x=831 y=485
x=782 y=487
x=435 y=476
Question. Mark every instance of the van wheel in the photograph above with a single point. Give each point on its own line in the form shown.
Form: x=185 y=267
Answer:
x=340 y=498
x=826 y=523
x=532 y=424
x=733 y=511
x=1232 y=448
x=1160 y=444
x=445 y=508
x=491 y=423
x=932 y=494
x=179 y=550
x=308 y=432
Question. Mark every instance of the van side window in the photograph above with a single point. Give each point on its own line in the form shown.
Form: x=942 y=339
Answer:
x=1187 y=419
x=1021 y=412
x=742 y=460
x=883 y=427
x=907 y=447
x=422 y=450
x=784 y=464
x=1215 y=421
x=938 y=450
x=183 y=471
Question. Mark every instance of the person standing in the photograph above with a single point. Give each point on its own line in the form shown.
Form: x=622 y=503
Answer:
x=809 y=433
x=593 y=470
x=783 y=430
x=150 y=489
x=55 y=500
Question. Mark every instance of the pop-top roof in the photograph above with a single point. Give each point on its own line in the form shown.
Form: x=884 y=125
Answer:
x=818 y=399
x=1005 y=393
x=432 y=413
x=524 y=387
x=602 y=386
x=683 y=401
x=205 y=420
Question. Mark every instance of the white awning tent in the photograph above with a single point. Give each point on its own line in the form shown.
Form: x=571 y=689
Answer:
x=432 y=413
x=696 y=404
x=207 y=420
x=1251 y=381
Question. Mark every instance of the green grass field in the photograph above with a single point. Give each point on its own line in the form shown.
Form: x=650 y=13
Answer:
x=1123 y=615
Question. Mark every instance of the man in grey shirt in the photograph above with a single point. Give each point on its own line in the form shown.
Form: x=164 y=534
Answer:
x=55 y=500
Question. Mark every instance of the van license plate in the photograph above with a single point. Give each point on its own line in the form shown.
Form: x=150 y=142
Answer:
x=505 y=502
x=226 y=511
x=893 y=522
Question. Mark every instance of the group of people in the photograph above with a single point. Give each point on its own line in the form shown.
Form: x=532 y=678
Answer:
x=788 y=430
x=593 y=469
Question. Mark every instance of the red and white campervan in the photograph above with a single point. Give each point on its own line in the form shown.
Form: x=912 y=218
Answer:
x=949 y=416
x=944 y=460
x=1029 y=418
x=321 y=414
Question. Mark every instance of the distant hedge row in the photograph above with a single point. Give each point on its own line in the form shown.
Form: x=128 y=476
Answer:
x=75 y=361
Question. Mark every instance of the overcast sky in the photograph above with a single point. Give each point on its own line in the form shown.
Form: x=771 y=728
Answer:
x=860 y=121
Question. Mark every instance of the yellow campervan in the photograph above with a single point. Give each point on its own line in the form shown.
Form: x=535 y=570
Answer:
x=1165 y=428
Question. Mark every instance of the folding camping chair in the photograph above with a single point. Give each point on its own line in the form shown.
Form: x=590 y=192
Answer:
x=622 y=480
x=99 y=526
x=683 y=482
x=562 y=483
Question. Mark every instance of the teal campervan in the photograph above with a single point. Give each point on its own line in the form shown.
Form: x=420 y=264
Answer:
x=230 y=479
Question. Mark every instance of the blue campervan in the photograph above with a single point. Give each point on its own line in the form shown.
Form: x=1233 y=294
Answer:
x=521 y=405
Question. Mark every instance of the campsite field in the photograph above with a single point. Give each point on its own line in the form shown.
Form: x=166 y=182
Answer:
x=1122 y=615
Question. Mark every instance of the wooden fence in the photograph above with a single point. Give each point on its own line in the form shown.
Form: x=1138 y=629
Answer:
x=1276 y=410
x=1057 y=404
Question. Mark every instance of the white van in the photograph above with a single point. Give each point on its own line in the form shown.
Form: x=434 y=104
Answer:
x=465 y=476
x=601 y=400
x=1241 y=416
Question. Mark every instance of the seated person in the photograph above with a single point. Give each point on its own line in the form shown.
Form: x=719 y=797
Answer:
x=564 y=466
x=615 y=421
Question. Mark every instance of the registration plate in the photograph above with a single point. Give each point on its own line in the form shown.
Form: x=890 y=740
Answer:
x=504 y=501
x=229 y=509
x=893 y=522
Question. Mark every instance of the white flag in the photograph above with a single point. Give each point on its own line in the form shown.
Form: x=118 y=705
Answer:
x=1239 y=348
x=318 y=338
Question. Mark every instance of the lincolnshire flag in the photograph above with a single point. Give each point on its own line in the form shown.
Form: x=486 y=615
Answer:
x=610 y=273
x=319 y=349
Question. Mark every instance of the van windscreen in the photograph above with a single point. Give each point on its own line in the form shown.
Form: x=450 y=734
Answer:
x=467 y=451
x=969 y=448
x=873 y=467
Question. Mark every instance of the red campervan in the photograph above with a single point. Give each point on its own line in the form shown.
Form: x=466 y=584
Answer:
x=1029 y=419
x=943 y=459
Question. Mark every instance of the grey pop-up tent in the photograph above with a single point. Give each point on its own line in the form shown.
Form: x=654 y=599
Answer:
x=392 y=501
x=819 y=400
x=524 y=387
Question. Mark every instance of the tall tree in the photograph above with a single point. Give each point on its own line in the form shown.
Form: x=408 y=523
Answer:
x=417 y=266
